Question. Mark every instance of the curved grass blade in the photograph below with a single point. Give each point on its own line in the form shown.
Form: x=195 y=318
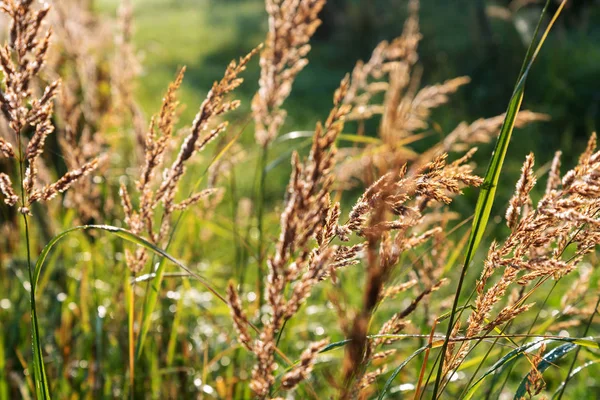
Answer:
x=285 y=156
x=552 y=356
x=332 y=346
x=487 y=193
x=572 y=374
x=388 y=383
x=135 y=239
x=125 y=235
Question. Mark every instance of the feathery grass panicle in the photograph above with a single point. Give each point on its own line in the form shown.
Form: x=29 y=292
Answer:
x=521 y=199
x=21 y=59
x=554 y=174
x=85 y=108
x=406 y=198
x=536 y=247
x=535 y=381
x=482 y=130
x=125 y=68
x=308 y=215
x=159 y=136
x=400 y=229
x=406 y=110
x=391 y=61
x=291 y=25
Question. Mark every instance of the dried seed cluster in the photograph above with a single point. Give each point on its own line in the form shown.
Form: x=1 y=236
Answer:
x=21 y=59
x=141 y=220
x=291 y=25
x=535 y=250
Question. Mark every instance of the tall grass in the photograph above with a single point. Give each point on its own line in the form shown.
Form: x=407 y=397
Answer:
x=163 y=259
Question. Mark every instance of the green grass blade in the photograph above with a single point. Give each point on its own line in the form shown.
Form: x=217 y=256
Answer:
x=332 y=346
x=285 y=156
x=3 y=381
x=132 y=238
x=388 y=383
x=150 y=305
x=572 y=374
x=487 y=193
x=42 y=386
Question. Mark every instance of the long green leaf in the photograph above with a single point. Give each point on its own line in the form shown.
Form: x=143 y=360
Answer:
x=572 y=374
x=388 y=383
x=130 y=237
x=552 y=356
x=487 y=193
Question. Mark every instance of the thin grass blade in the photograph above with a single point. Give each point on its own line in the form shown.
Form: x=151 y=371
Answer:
x=487 y=193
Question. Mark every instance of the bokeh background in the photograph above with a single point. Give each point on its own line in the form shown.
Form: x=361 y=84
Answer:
x=485 y=40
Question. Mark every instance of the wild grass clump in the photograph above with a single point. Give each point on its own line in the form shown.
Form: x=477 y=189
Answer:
x=341 y=288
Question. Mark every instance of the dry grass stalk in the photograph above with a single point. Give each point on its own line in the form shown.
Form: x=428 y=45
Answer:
x=304 y=254
x=124 y=70
x=21 y=59
x=291 y=25
x=407 y=198
x=535 y=381
x=84 y=107
x=159 y=136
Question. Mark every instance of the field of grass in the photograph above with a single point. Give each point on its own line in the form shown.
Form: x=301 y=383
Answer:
x=172 y=329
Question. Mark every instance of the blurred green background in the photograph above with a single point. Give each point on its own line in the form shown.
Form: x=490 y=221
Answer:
x=485 y=40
